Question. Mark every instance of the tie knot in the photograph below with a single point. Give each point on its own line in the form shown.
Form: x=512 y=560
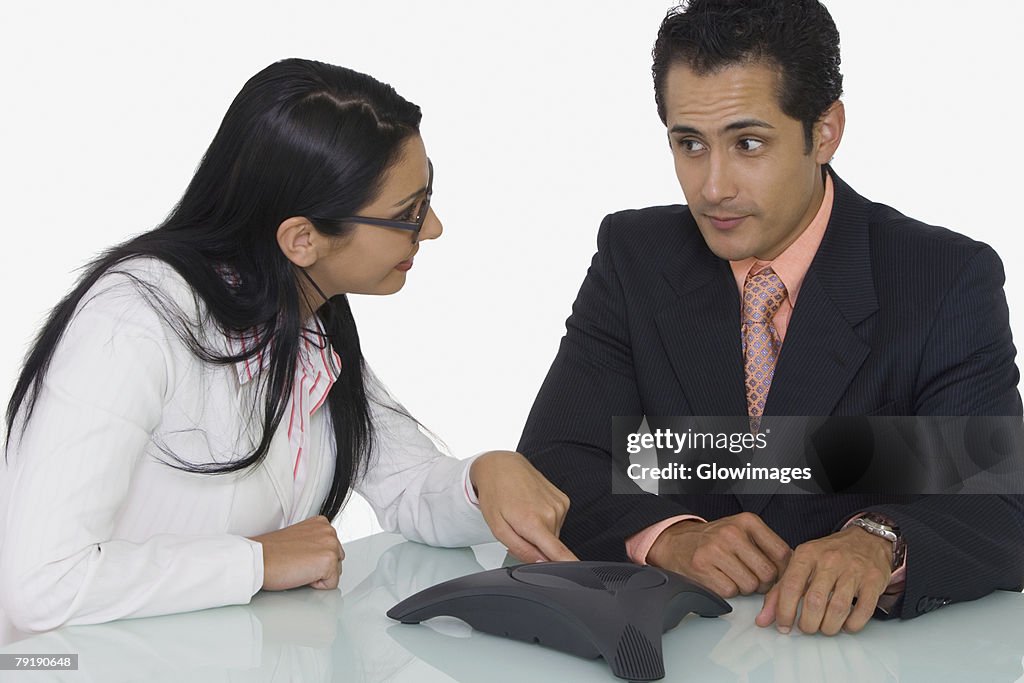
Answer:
x=762 y=295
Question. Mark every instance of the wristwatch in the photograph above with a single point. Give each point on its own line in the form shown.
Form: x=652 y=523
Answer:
x=880 y=525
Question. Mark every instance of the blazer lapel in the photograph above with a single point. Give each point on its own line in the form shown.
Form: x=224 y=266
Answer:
x=819 y=358
x=823 y=351
x=700 y=332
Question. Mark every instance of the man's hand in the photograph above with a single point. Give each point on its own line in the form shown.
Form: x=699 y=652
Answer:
x=826 y=575
x=304 y=554
x=732 y=555
x=523 y=509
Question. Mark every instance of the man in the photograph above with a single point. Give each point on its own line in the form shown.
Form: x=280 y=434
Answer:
x=850 y=308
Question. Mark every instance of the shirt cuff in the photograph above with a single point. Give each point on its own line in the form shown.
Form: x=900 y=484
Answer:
x=640 y=543
x=257 y=565
x=467 y=483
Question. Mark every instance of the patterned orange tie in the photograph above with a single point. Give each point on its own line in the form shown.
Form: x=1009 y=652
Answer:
x=763 y=293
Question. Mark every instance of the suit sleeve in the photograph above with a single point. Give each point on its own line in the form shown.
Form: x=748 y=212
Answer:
x=961 y=547
x=568 y=435
x=68 y=474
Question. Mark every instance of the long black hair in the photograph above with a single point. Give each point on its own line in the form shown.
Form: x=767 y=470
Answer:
x=301 y=138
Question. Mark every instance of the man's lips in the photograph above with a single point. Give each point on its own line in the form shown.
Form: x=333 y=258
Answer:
x=725 y=222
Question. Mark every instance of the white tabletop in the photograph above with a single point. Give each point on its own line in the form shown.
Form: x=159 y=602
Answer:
x=312 y=636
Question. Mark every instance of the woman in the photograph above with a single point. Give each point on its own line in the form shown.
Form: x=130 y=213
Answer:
x=197 y=408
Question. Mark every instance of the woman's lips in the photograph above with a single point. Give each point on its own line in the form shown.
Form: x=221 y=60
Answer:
x=404 y=265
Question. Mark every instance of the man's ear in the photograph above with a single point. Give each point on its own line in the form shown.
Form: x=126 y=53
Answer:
x=298 y=241
x=828 y=132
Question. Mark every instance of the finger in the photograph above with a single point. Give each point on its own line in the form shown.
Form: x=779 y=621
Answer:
x=526 y=552
x=738 y=572
x=861 y=613
x=328 y=582
x=520 y=548
x=539 y=528
x=719 y=583
x=772 y=546
x=562 y=506
x=816 y=599
x=547 y=543
x=761 y=566
x=767 y=614
x=791 y=587
x=728 y=548
x=839 y=606
x=331 y=575
x=537 y=532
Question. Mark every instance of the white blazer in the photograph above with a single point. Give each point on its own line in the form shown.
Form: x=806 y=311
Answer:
x=95 y=526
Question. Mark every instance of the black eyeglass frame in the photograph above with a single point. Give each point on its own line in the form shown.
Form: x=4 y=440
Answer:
x=413 y=226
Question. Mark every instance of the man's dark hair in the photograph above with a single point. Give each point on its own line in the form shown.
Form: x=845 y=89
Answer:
x=798 y=37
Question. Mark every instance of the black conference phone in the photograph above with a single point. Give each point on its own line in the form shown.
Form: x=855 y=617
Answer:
x=614 y=610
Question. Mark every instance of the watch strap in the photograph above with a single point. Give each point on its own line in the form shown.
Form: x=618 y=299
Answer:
x=879 y=525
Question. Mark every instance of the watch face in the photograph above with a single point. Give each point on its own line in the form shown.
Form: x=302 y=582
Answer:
x=882 y=520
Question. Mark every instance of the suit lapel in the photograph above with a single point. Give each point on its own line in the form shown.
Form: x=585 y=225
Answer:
x=819 y=359
x=823 y=351
x=700 y=331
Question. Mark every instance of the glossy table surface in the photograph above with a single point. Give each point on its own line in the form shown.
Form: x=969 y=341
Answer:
x=312 y=636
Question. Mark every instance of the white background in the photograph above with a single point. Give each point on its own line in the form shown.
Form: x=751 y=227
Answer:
x=539 y=117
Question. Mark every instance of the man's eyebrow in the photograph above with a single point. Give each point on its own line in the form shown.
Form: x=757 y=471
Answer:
x=688 y=130
x=747 y=123
x=415 y=194
x=735 y=125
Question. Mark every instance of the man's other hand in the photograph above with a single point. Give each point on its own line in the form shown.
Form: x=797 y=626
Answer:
x=822 y=580
x=731 y=556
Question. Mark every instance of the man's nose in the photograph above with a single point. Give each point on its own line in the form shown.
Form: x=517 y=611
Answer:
x=719 y=184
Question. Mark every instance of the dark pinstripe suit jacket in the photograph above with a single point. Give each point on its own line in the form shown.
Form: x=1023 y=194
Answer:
x=895 y=317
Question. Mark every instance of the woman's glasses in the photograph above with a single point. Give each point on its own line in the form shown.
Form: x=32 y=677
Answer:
x=415 y=224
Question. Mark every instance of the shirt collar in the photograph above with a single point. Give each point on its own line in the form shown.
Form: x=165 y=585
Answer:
x=315 y=353
x=792 y=264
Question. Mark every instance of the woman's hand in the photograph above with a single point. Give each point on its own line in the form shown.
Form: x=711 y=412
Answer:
x=523 y=509
x=304 y=554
